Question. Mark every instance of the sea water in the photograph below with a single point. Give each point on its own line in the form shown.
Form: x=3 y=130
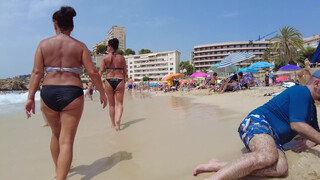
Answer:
x=12 y=102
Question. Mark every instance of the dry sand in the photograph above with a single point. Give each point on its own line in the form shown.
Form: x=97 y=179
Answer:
x=163 y=136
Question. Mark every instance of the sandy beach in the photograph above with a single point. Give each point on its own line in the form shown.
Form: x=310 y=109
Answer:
x=163 y=136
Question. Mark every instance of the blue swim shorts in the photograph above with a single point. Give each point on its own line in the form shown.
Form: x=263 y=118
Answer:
x=130 y=86
x=257 y=124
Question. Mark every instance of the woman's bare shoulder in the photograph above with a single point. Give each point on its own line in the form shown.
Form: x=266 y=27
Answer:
x=52 y=39
x=46 y=41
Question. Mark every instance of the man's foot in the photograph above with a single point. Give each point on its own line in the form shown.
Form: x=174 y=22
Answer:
x=113 y=126
x=213 y=165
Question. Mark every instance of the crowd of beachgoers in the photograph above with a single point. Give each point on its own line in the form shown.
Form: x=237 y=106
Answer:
x=213 y=84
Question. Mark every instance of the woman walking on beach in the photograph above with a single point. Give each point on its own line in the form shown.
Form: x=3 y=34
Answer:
x=62 y=57
x=115 y=81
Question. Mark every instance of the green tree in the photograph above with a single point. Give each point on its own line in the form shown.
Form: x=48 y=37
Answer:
x=145 y=51
x=287 y=43
x=130 y=52
x=278 y=64
x=307 y=52
x=119 y=51
x=267 y=55
x=101 y=49
x=187 y=66
x=145 y=78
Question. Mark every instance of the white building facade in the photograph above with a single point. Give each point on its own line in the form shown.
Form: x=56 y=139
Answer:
x=207 y=55
x=312 y=41
x=153 y=65
x=114 y=32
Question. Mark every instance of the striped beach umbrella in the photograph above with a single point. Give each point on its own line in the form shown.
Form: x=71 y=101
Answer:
x=235 y=58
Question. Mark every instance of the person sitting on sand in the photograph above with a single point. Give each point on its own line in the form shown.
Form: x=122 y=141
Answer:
x=213 y=82
x=231 y=82
x=267 y=128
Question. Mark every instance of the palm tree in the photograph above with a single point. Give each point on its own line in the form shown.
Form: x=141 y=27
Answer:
x=287 y=43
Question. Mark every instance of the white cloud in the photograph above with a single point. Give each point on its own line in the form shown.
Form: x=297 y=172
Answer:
x=38 y=8
x=11 y=10
x=230 y=14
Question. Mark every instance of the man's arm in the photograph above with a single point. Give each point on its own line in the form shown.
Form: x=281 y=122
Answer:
x=306 y=131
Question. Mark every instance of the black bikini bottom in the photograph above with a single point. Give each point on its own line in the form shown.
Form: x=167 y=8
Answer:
x=114 y=83
x=57 y=97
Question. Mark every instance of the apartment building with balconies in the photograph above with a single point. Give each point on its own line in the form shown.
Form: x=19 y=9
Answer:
x=204 y=56
x=312 y=41
x=115 y=32
x=153 y=65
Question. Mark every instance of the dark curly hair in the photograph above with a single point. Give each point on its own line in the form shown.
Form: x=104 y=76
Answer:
x=114 y=43
x=64 y=17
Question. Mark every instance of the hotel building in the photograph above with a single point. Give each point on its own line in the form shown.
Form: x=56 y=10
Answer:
x=115 y=32
x=204 y=56
x=312 y=41
x=153 y=65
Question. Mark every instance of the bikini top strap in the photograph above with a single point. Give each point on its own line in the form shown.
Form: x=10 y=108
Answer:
x=76 y=70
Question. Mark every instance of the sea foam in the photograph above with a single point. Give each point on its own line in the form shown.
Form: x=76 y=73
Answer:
x=16 y=98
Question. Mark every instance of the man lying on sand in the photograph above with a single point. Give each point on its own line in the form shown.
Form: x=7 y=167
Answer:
x=267 y=128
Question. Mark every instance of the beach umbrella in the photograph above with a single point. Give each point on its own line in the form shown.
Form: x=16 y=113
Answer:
x=235 y=58
x=198 y=74
x=316 y=55
x=228 y=69
x=175 y=76
x=260 y=65
x=151 y=85
x=290 y=67
x=165 y=77
x=282 y=78
x=248 y=69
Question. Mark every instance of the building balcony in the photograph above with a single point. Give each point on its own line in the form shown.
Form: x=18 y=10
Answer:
x=208 y=60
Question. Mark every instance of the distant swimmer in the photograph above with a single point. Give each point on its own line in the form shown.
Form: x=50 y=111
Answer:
x=62 y=57
x=116 y=67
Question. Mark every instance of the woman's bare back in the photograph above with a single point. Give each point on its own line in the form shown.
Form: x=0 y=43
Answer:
x=115 y=61
x=65 y=52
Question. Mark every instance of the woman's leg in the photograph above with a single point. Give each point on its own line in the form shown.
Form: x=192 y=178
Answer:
x=69 y=117
x=53 y=119
x=119 y=100
x=110 y=95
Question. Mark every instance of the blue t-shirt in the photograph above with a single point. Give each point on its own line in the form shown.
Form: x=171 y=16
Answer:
x=295 y=104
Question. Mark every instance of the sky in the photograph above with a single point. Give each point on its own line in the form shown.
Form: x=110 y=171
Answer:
x=158 y=25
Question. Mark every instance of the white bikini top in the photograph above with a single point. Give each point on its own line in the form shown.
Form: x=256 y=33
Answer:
x=76 y=70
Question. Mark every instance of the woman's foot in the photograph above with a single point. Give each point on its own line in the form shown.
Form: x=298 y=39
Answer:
x=118 y=125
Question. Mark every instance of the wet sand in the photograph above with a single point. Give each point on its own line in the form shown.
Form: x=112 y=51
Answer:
x=163 y=136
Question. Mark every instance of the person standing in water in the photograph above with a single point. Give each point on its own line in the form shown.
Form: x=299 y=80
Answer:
x=115 y=81
x=62 y=57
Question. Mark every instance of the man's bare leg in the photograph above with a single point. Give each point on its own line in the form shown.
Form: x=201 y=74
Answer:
x=263 y=154
x=280 y=168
